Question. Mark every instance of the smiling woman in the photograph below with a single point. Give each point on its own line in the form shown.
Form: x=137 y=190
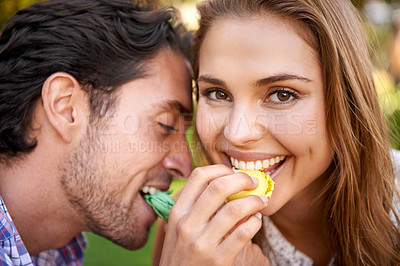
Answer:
x=265 y=82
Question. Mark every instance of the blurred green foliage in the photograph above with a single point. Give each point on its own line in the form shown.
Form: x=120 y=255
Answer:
x=389 y=98
x=101 y=252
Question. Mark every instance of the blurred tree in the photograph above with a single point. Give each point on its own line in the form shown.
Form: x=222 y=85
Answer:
x=358 y=3
x=9 y=7
x=361 y=3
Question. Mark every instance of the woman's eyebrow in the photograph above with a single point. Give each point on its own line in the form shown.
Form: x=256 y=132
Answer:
x=211 y=80
x=279 y=77
x=258 y=83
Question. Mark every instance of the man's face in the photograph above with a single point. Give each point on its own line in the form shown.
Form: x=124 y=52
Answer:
x=140 y=144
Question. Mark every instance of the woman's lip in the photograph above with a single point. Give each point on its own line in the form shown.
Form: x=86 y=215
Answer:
x=250 y=156
x=279 y=169
x=266 y=163
x=279 y=164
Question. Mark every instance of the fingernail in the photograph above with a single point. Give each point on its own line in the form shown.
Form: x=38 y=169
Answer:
x=255 y=180
x=264 y=199
x=258 y=215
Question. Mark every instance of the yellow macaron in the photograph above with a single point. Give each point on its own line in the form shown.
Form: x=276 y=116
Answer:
x=265 y=185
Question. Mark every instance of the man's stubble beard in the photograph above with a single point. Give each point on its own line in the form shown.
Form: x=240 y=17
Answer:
x=103 y=212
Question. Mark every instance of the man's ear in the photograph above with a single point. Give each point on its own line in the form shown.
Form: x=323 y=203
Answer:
x=62 y=102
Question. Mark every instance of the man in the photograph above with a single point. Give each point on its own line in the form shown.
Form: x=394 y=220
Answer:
x=93 y=97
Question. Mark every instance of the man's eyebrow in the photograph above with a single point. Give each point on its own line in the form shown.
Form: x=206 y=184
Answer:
x=211 y=80
x=279 y=77
x=174 y=105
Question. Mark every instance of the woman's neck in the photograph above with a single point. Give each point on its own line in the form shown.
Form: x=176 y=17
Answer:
x=302 y=223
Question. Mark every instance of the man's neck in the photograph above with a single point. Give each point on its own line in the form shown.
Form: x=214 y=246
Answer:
x=35 y=201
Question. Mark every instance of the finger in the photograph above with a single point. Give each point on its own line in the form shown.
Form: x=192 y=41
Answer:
x=196 y=184
x=238 y=239
x=179 y=227
x=251 y=255
x=231 y=216
x=216 y=192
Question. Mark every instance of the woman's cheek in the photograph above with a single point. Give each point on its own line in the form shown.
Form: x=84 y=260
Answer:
x=210 y=123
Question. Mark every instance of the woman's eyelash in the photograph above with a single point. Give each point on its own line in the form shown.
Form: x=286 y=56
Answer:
x=278 y=95
x=220 y=95
x=207 y=92
x=284 y=90
x=285 y=93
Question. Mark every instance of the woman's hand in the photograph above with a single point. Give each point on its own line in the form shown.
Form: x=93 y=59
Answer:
x=251 y=255
x=200 y=231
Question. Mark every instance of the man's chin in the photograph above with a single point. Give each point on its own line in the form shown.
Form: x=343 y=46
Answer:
x=126 y=241
x=137 y=244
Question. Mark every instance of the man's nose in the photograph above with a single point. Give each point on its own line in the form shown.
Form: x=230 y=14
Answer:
x=178 y=162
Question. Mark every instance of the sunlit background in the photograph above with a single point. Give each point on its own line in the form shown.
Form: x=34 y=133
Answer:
x=382 y=24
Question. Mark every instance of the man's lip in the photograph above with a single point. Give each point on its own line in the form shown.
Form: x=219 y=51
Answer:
x=162 y=187
x=149 y=208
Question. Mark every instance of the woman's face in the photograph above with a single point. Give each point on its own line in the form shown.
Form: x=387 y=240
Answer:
x=262 y=105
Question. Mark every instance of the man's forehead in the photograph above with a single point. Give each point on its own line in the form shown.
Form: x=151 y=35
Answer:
x=168 y=75
x=174 y=105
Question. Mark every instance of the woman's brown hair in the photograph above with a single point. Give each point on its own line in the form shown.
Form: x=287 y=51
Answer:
x=358 y=195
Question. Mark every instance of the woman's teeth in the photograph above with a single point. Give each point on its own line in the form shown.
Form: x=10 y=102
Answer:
x=256 y=165
x=149 y=190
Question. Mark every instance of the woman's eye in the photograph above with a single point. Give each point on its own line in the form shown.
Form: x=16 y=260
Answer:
x=218 y=95
x=282 y=96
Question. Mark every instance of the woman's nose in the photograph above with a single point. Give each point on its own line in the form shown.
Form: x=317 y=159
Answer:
x=242 y=128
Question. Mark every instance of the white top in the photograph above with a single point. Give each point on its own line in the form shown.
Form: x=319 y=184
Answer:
x=285 y=254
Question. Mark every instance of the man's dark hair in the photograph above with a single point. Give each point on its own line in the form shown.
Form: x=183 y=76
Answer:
x=102 y=43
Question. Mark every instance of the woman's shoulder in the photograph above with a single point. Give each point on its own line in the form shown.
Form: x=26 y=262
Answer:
x=396 y=201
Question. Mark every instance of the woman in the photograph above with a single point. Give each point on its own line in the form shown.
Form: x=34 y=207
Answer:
x=288 y=85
